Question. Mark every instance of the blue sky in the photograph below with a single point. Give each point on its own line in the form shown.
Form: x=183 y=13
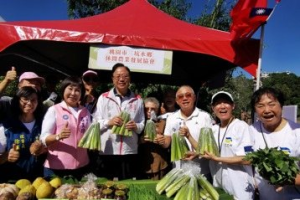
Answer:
x=281 y=39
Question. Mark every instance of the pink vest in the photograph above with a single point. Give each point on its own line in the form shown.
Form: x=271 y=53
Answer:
x=65 y=154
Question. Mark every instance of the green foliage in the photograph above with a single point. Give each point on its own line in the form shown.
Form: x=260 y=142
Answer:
x=153 y=90
x=274 y=165
x=81 y=8
x=177 y=9
x=215 y=16
x=288 y=84
x=11 y=89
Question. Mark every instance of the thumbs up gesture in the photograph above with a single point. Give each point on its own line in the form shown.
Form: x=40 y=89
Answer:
x=184 y=130
x=65 y=132
x=11 y=74
x=36 y=148
x=13 y=154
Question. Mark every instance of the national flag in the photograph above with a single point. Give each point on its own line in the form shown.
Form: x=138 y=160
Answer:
x=260 y=14
x=243 y=23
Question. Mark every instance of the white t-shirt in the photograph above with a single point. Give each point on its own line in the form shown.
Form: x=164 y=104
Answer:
x=235 y=140
x=3 y=141
x=287 y=139
x=195 y=122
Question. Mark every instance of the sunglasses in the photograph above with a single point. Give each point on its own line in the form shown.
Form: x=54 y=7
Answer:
x=187 y=95
x=90 y=79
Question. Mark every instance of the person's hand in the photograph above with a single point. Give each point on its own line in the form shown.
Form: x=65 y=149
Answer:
x=116 y=121
x=209 y=156
x=65 y=132
x=190 y=155
x=13 y=154
x=131 y=125
x=279 y=188
x=184 y=130
x=36 y=148
x=159 y=139
x=11 y=74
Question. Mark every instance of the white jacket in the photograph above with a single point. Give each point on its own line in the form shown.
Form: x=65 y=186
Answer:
x=108 y=106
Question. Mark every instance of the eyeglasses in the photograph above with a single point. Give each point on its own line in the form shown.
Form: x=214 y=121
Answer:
x=26 y=101
x=90 y=79
x=118 y=77
x=187 y=95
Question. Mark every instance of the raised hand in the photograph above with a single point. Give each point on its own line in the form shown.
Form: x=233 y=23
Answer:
x=184 y=130
x=36 y=148
x=13 y=154
x=11 y=74
x=66 y=132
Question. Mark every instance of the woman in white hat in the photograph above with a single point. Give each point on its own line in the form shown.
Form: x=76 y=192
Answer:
x=232 y=135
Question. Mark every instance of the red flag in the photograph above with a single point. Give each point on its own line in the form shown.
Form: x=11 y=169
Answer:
x=243 y=24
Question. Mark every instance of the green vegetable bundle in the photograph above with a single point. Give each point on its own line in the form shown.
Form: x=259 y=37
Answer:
x=150 y=130
x=179 y=147
x=140 y=192
x=185 y=185
x=274 y=165
x=91 y=138
x=121 y=130
x=207 y=142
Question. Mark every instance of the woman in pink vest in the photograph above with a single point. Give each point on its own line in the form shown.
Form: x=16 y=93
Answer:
x=63 y=126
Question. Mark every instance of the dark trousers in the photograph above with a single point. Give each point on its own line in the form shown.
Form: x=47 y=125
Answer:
x=117 y=166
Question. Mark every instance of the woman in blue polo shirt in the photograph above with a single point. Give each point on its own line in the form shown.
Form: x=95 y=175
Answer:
x=22 y=130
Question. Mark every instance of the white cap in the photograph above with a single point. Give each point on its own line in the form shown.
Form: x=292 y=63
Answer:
x=221 y=93
x=88 y=72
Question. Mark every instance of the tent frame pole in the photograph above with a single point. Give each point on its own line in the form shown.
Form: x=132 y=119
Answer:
x=258 y=71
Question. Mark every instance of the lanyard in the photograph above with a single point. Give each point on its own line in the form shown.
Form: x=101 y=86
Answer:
x=261 y=131
x=221 y=143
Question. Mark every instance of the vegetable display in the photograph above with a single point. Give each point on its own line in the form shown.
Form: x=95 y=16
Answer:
x=150 y=130
x=121 y=130
x=91 y=138
x=274 y=165
x=186 y=185
x=207 y=142
x=178 y=147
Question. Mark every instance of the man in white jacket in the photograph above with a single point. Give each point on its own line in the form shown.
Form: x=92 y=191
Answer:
x=118 y=158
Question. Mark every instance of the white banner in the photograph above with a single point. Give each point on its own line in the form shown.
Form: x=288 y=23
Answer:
x=137 y=59
x=290 y=112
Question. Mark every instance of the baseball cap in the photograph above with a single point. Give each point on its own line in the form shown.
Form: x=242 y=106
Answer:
x=89 y=72
x=223 y=94
x=31 y=75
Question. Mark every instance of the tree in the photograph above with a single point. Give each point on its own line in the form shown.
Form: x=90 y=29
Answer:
x=288 y=83
x=215 y=16
x=85 y=8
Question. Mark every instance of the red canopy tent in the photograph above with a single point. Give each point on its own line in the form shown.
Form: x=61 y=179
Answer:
x=63 y=45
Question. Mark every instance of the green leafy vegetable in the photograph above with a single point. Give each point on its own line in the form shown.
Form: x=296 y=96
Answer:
x=274 y=165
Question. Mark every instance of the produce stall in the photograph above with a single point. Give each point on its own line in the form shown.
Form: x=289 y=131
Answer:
x=94 y=188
